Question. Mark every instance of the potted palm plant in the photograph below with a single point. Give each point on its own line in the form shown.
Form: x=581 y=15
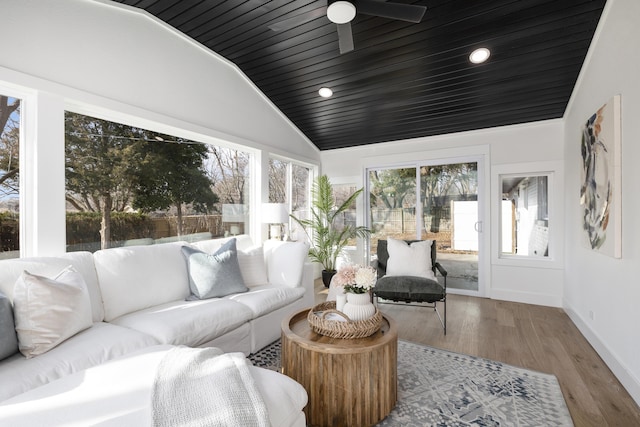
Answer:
x=327 y=238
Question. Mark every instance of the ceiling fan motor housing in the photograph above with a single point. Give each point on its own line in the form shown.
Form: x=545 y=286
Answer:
x=340 y=11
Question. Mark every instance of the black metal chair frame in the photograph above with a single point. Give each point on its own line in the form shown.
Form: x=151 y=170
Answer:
x=383 y=257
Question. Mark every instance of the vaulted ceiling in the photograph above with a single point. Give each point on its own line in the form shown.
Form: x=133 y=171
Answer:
x=402 y=80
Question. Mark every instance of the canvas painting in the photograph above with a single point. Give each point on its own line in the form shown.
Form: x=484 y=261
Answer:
x=601 y=191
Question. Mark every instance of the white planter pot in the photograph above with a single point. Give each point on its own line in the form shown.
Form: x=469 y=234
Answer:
x=359 y=306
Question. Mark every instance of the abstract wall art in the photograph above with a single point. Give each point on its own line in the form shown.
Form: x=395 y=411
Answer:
x=601 y=191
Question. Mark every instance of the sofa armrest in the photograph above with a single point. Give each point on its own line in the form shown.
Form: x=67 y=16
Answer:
x=307 y=282
x=285 y=262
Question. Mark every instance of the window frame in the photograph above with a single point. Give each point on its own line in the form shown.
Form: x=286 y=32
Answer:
x=197 y=138
x=553 y=170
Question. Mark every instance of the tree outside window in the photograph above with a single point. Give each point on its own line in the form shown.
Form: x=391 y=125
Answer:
x=9 y=177
x=127 y=185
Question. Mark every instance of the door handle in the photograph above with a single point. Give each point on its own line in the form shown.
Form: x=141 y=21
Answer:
x=478 y=226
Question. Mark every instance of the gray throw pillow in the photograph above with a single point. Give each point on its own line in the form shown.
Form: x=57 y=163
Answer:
x=214 y=275
x=8 y=337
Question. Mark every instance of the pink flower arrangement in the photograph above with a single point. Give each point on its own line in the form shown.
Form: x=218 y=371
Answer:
x=356 y=278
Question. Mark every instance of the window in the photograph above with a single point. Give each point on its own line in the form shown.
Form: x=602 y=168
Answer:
x=392 y=196
x=132 y=186
x=525 y=229
x=9 y=177
x=524 y=215
x=229 y=172
x=300 y=197
x=290 y=183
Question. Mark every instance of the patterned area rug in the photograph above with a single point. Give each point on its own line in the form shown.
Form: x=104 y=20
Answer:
x=442 y=388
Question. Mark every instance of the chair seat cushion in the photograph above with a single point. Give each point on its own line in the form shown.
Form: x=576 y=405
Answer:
x=409 y=289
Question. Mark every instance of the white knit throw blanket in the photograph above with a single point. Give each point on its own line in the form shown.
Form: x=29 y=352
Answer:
x=198 y=387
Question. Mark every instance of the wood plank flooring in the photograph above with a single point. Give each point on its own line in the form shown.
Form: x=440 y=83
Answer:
x=533 y=337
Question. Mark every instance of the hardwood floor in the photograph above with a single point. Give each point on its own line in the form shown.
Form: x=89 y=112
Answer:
x=533 y=337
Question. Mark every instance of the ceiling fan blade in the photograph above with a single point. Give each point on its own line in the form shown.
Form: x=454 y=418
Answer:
x=345 y=38
x=262 y=4
x=294 y=21
x=402 y=12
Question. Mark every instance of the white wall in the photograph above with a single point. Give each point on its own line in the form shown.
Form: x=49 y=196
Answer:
x=594 y=283
x=119 y=63
x=506 y=148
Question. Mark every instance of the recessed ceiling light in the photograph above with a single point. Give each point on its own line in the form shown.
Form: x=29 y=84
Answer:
x=325 y=92
x=341 y=12
x=478 y=56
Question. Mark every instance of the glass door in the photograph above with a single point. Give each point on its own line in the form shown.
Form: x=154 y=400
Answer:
x=449 y=199
x=431 y=201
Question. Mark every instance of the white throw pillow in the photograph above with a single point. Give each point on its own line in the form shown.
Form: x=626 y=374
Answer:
x=48 y=311
x=253 y=267
x=409 y=260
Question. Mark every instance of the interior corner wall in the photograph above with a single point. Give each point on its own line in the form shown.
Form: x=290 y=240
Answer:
x=537 y=142
x=602 y=294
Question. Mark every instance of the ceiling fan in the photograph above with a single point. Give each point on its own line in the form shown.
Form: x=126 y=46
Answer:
x=342 y=13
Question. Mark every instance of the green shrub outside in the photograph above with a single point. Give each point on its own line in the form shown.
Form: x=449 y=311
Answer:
x=9 y=231
x=84 y=227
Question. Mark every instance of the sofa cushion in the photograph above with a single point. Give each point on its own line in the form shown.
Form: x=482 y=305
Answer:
x=191 y=323
x=285 y=261
x=8 y=337
x=214 y=275
x=267 y=298
x=48 y=311
x=253 y=267
x=409 y=259
x=138 y=277
x=119 y=394
x=93 y=346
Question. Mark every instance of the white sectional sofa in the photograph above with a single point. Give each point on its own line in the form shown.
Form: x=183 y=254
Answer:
x=141 y=303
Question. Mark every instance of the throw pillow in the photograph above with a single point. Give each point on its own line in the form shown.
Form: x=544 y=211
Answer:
x=409 y=260
x=8 y=337
x=214 y=275
x=253 y=267
x=48 y=311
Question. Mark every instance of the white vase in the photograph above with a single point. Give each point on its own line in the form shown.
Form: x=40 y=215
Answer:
x=359 y=306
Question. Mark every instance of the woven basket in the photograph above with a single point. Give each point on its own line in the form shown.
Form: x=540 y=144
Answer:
x=336 y=329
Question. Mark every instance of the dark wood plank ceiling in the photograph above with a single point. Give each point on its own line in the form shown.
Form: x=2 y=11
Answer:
x=403 y=80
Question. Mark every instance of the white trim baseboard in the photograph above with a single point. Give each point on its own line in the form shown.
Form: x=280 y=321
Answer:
x=624 y=375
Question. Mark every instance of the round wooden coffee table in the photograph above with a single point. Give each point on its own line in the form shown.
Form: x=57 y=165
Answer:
x=350 y=382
